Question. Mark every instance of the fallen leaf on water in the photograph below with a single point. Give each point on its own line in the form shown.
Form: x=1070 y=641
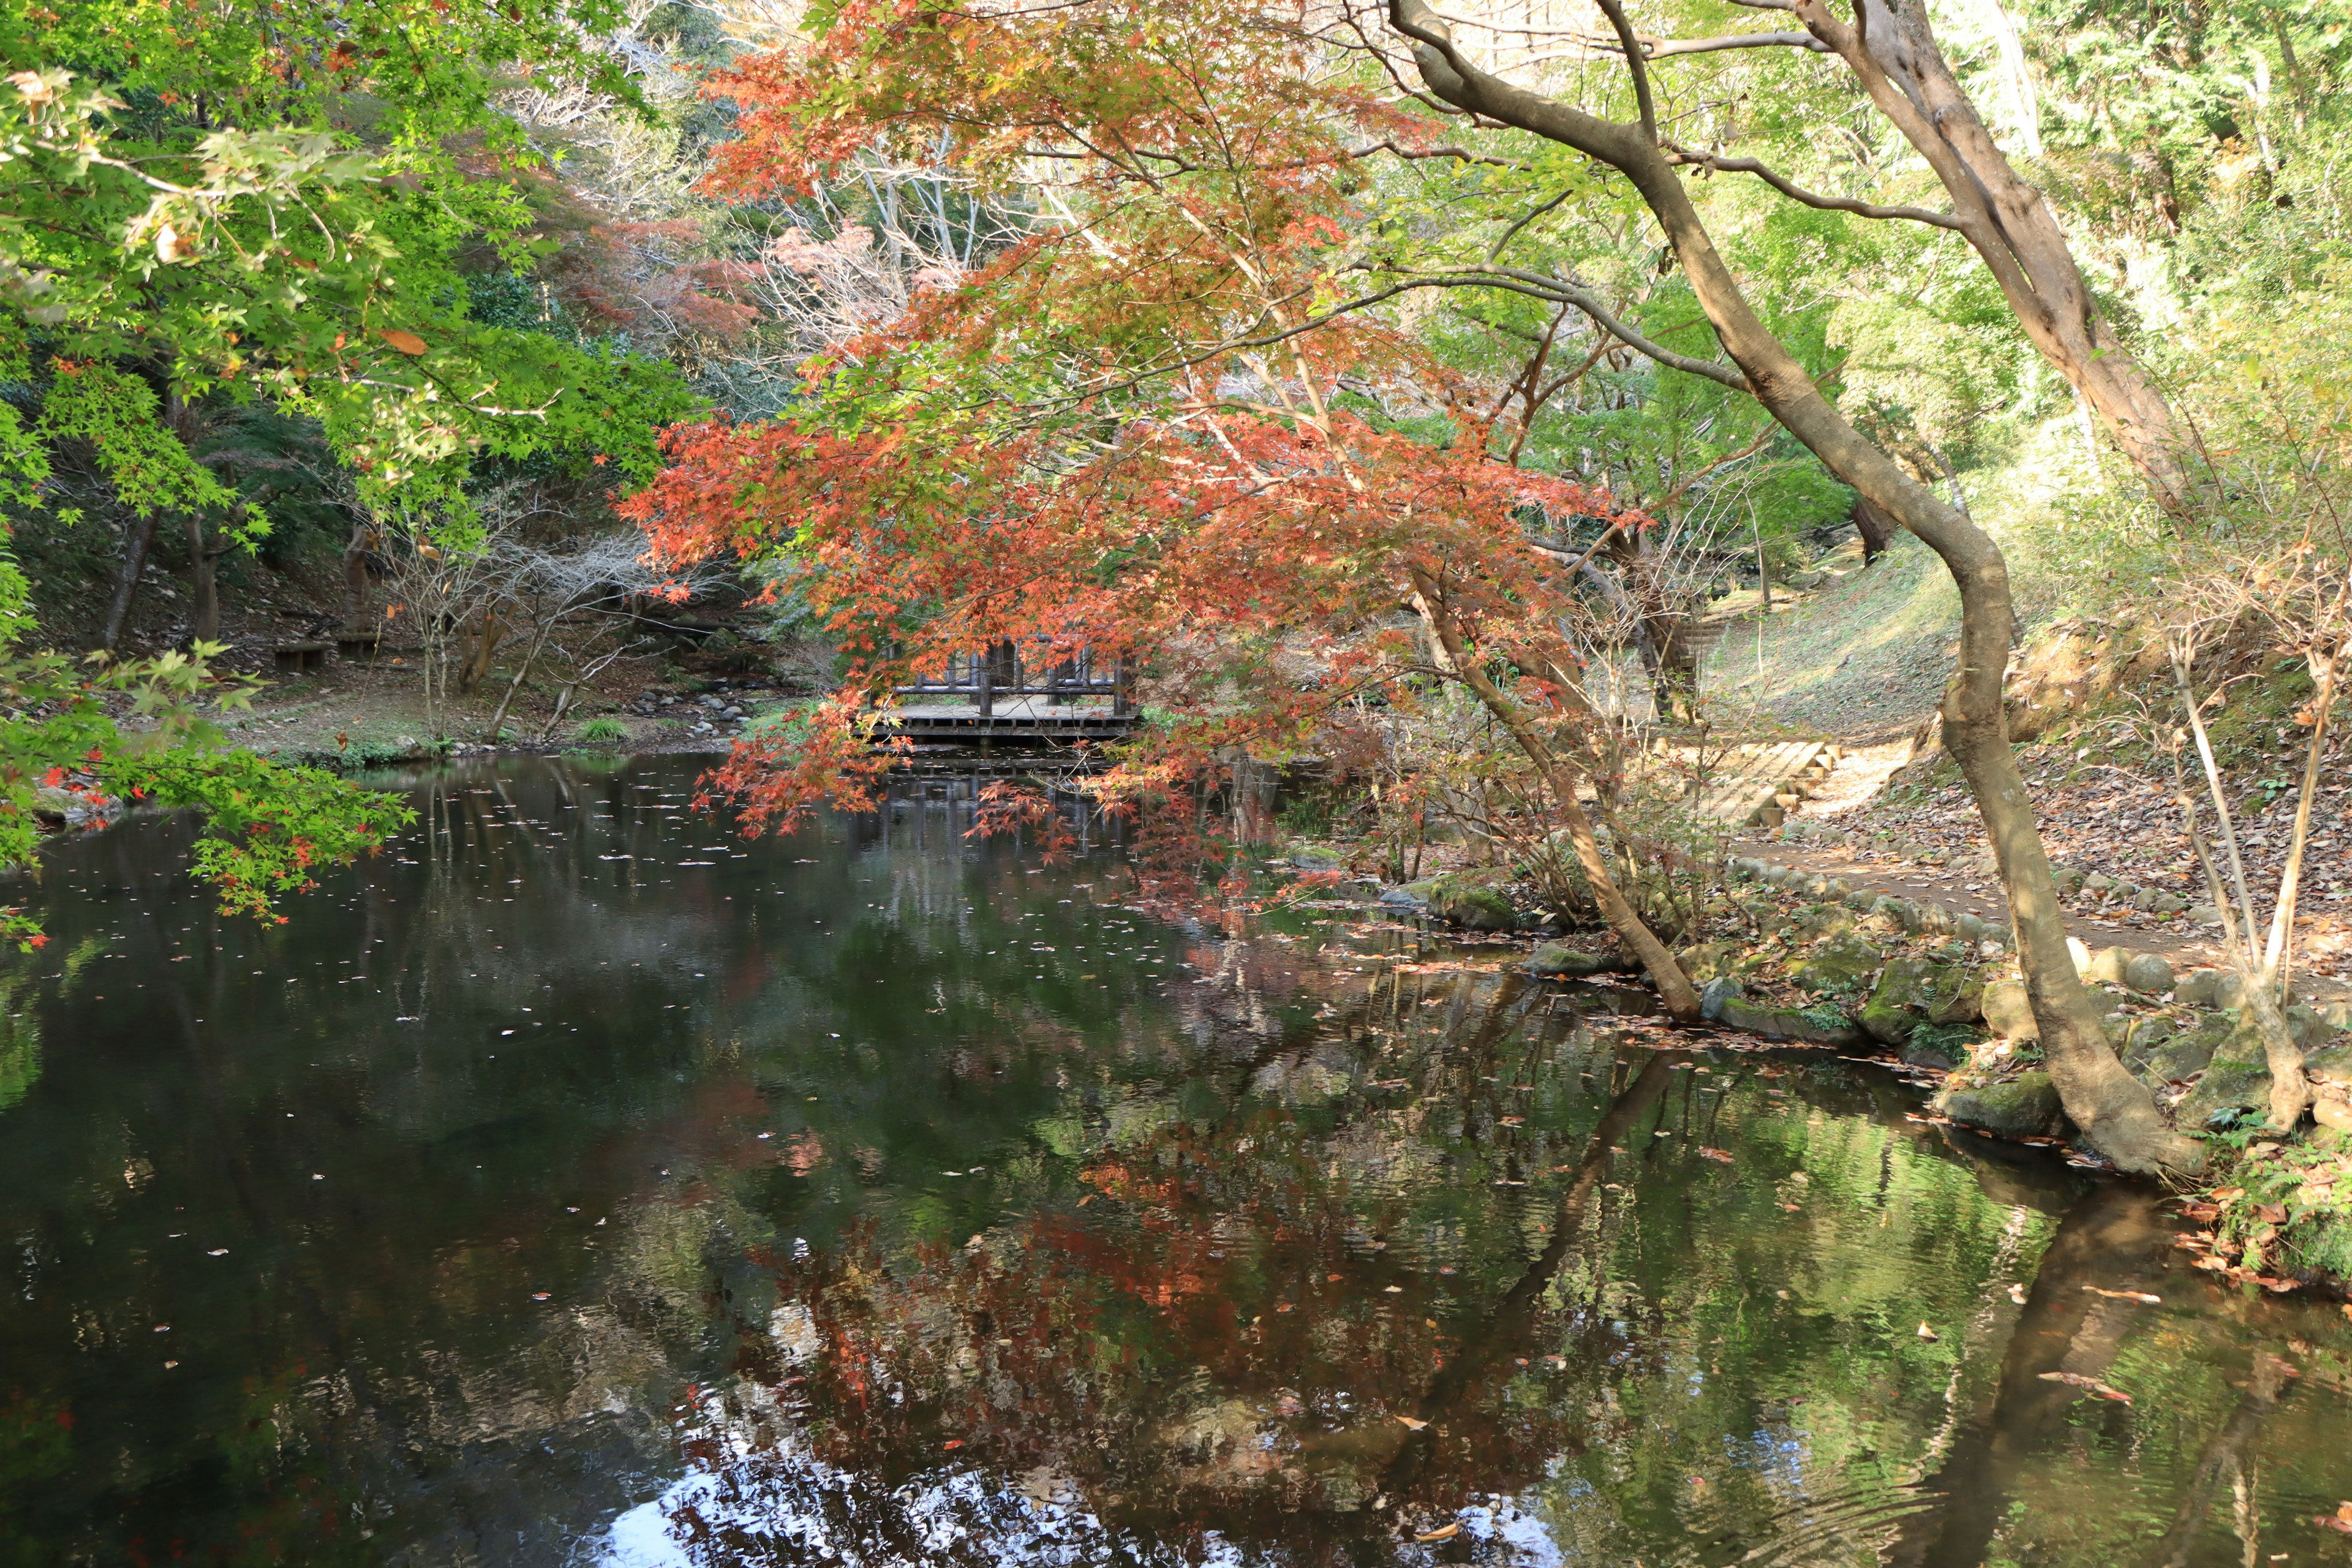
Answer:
x=1409 y=1421
x=1927 y=1333
x=539 y=1295
x=1448 y=1534
x=2125 y=1295
x=953 y=1443
x=2088 y=1384
x=2341 y=1520
x=2017 y=1293
x=1706 y=1153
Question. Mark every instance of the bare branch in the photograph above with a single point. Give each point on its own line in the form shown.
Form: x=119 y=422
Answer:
x=1660 y=48
x=1677 y=153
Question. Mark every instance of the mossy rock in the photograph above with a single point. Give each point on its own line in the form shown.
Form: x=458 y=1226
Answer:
x=1841 y=964
x=2236 y=1082
x=1823 y=920
x=1940 y=1048
x=2331 y=1063
x=1465 y=900
x=1898 y=1004
x=1708 y=961
x=2175 y=1060
x=1554 y=962
x=1788 y=1023
x=2024 y=1107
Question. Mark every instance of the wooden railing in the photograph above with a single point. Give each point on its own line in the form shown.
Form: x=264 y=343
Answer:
x=985 y=679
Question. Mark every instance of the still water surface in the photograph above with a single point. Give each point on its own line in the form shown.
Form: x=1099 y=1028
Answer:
x=577 y=1185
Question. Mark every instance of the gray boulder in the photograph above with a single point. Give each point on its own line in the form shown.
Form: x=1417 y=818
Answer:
x=2148 y=973
x=1720 y=993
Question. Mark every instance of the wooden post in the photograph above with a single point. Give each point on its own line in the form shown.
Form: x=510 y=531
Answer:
x=984 y=667
x=1120 y=706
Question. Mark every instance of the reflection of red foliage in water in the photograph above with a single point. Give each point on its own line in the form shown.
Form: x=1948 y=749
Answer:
x=1183 y=1362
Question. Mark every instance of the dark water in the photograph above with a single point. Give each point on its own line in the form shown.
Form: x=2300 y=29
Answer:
x=577 y=1186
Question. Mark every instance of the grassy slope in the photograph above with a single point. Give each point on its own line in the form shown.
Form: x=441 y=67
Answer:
x=1868 y=657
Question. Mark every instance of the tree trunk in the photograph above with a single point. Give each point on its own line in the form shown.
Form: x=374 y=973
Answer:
x=486 y=646
x=141 y=535
x=1675 y=988
x=204 y=582
x=355 y=574
x=2115 y=1112
x=2009 y=222
x=1876 y=529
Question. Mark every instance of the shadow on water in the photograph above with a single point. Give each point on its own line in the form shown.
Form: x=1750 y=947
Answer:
x=580 y=1185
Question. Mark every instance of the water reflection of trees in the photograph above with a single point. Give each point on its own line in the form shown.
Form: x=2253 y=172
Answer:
x=1319 y=1283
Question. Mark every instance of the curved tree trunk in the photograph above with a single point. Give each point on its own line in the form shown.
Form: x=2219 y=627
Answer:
x=2114 y=1111
x=1892 y=50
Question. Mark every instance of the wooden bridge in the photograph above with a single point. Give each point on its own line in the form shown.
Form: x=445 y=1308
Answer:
x=999 y=695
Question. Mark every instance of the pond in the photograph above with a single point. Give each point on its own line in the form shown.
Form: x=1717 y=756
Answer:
x=577 y=1185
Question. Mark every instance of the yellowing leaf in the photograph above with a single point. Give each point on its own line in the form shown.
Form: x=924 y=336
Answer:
x=1409 y=1421
x=1448 y=1533
x=406 y=342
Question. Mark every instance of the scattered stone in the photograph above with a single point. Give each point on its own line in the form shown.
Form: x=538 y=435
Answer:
x=1402 y=899
x=2205 y=914
x=2167 y=904
x=2106 y=965
x=2067 y=878
x=1969 y=928
x=2098 y=882
x=2007 y=1013
x=2025 y=1107
x=2148 y=973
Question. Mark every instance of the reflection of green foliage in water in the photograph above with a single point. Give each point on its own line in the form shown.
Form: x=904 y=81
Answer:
x=20 y=1028
x=36 y=1447
x=20 y=1059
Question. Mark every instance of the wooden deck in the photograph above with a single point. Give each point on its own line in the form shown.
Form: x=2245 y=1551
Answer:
x=1027 y=720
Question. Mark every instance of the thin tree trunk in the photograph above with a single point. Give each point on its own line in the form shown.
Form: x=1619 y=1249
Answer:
x=2115 y=1112
x=486 y=646
x=141 y=535
x=1892 y=50
x=1675 y=988
x=2265 y=995
x=205 y=581
x=355 y=575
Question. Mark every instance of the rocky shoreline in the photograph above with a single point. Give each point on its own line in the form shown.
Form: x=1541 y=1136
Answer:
x=1833 y=965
